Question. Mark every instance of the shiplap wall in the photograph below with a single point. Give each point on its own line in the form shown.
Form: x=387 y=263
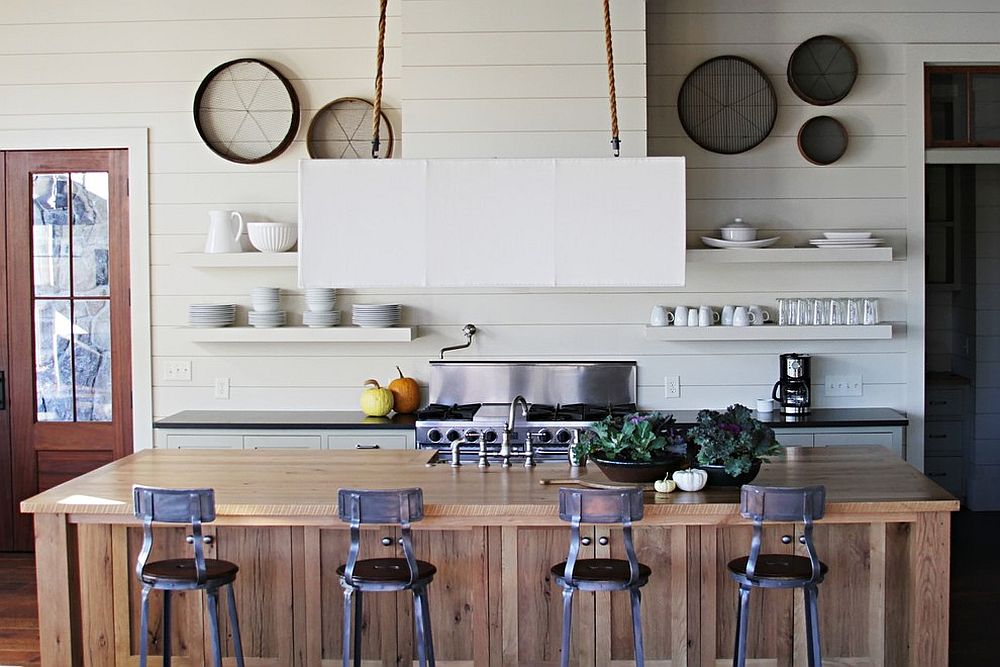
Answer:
x=984 y=471
x=113 y=64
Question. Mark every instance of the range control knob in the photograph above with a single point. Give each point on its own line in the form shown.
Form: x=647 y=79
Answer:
x=452 y=435
x=563 y=436
x=544 y=435
x=471 y=435
x=490 y=436
x=434 y=435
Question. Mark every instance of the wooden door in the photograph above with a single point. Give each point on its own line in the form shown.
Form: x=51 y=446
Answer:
x=6 y=480
x=69 y=361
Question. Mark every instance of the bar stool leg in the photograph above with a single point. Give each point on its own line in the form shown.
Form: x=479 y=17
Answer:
x=640 y=653
x=144 y=627
x=213 y=618
x=428 y=636
x=166 y=629
x=812 y=625
x=358 y=623
x=567 y=624
x=235 y=622
x=418 y=617
x=742 y=625
x=346 y=643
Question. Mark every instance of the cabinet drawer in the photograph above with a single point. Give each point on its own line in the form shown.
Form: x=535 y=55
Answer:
x=372 y=441
x=943 y=437
x=794 y=439
x=945 y=402
x=187 y=441
x=853 y=438
x=283 y=442
x=946 y=471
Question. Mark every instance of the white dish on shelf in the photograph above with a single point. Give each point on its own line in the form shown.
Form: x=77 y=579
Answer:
x=272 y=236
x=722 y=243
x=846 y=236
x=846 y=243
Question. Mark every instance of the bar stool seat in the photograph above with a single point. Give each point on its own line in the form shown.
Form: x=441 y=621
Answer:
x=177 y=572
x=776 y=571
x=390 y=570
x=606 y=572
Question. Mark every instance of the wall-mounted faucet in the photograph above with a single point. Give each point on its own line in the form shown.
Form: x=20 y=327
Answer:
x=469 y=330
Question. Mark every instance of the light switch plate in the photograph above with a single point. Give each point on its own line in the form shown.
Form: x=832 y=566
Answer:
x=222 y=388
x=843 y=385
x=671 y=386
x=178 y=370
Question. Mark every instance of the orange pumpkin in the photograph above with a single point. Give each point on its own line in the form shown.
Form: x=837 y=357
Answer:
x=405 y=394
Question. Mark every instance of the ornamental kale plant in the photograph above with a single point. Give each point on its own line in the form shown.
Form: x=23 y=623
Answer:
x=733 y=439
x=634 y=437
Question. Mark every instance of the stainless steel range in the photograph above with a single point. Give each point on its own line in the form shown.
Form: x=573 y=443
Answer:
x=520 y=411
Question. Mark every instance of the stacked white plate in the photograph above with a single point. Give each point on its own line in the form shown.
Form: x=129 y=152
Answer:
x=321 y=299
x=317 y=319
x=267 y=319
x=847 y=240
x=722 y=243
x=376 y=315
x=211 y=314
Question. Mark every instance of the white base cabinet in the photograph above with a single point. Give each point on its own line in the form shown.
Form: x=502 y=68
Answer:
x=890 y=437
x=250 y=439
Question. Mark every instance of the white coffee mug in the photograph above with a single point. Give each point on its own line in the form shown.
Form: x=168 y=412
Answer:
x=758 y=315
x=681 y=316
x=693 y=318
x=660 y=317
x=727 y=315
x=741 y=317
x=765 y=406
x=707 y=317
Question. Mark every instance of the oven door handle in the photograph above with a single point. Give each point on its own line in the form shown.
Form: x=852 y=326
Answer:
x=3 y=391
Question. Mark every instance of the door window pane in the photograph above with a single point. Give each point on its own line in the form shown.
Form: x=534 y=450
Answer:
x=949 y=111
x=986 y=107
x=53 y=360
x=50 y=234
x=90 y=234
x=92 y=359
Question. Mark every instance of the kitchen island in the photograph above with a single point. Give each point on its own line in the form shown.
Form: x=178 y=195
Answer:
x=493 y=536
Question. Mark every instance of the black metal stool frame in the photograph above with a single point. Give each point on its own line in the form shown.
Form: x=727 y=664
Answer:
x=763 y=504
x=601 y=506
x=182 y=506
x=399 y=507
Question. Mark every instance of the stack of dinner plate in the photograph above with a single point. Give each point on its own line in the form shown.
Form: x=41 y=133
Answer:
x=267 y=319
x=847 y=240
x=376 y=315
x=211 y=314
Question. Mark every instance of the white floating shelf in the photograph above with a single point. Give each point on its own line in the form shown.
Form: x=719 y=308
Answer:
x=770 y=332
x=345 y=334
x=238 y=260
x=777 y=255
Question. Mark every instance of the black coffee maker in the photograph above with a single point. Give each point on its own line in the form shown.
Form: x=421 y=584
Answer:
x=792 y=390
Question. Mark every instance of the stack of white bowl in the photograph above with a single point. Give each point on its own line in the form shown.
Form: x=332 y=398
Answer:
x=266 y=313
x=376 y=315
x=322 y=304
x=211 y=314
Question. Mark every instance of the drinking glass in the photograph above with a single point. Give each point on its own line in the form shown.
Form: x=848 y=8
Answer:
x=869 y=311
x=854 y=309
x=837 y=312
x=804 y=312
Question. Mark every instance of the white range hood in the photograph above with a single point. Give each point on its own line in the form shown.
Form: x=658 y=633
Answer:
x=557 y=222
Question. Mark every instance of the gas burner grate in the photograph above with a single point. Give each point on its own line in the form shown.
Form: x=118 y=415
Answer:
x=578 y=412
x=441 y=412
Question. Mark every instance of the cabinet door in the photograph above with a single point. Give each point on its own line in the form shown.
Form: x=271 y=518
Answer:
x=664 y=604
x=947 y=472
x=530 y=615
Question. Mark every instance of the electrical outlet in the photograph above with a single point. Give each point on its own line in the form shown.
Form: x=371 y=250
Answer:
x=222 y=388
x=178 y=371
x=843 y=385
x=671 y=386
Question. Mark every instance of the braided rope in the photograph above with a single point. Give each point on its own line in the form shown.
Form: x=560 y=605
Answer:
x=379 y=60
x=612 y=99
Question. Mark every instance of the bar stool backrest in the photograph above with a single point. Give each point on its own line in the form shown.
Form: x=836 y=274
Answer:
x=621 y=506
x=399 y=507
x=187 y=506
x=763 y=504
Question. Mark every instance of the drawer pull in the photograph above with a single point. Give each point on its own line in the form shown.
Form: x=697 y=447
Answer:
x=937 y=437
x=386 y=541
x=585 y=541
x=937 y=402
x=937 y=474
x=603 y=541
x=360 y=446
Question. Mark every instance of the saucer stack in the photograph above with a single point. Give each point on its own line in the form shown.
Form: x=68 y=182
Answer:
x=376 y=315
x=211 y=314
x=266 y=313
x=322 y=304
x=847 y=240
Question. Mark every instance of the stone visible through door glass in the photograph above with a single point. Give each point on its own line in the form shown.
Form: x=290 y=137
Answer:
x=90 y=234
x=50 y=234
x=92 y=359
x=53 y=361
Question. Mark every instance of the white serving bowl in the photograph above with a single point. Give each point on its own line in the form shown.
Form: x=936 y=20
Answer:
x=738 y=231
x=272 y=236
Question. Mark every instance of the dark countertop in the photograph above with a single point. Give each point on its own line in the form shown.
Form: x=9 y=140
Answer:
x=284 y=419
x=351 y=419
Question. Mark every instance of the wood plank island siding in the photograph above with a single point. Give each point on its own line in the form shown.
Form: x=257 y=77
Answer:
x=493 y=536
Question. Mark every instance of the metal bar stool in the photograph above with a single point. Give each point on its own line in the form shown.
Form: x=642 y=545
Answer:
x=601 y=574
x=399 y=507
x=185 y=506
x=765 y=504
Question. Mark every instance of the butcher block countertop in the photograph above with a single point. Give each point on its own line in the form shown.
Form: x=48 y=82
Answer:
x=300 y=487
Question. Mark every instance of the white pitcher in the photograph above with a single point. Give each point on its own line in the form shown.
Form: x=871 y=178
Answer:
x=220 y=232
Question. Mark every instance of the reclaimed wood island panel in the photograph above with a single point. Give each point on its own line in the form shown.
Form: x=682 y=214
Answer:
x=493 y=536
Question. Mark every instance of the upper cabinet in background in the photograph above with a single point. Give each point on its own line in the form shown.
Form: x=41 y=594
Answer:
x=963 y=106
x=558 y=222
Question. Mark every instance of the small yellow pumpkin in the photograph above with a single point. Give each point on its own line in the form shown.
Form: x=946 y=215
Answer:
x=405 y=394
x=376 y=401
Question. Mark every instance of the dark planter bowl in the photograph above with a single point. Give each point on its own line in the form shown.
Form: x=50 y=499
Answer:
x=639 y=471
x=717 y=475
